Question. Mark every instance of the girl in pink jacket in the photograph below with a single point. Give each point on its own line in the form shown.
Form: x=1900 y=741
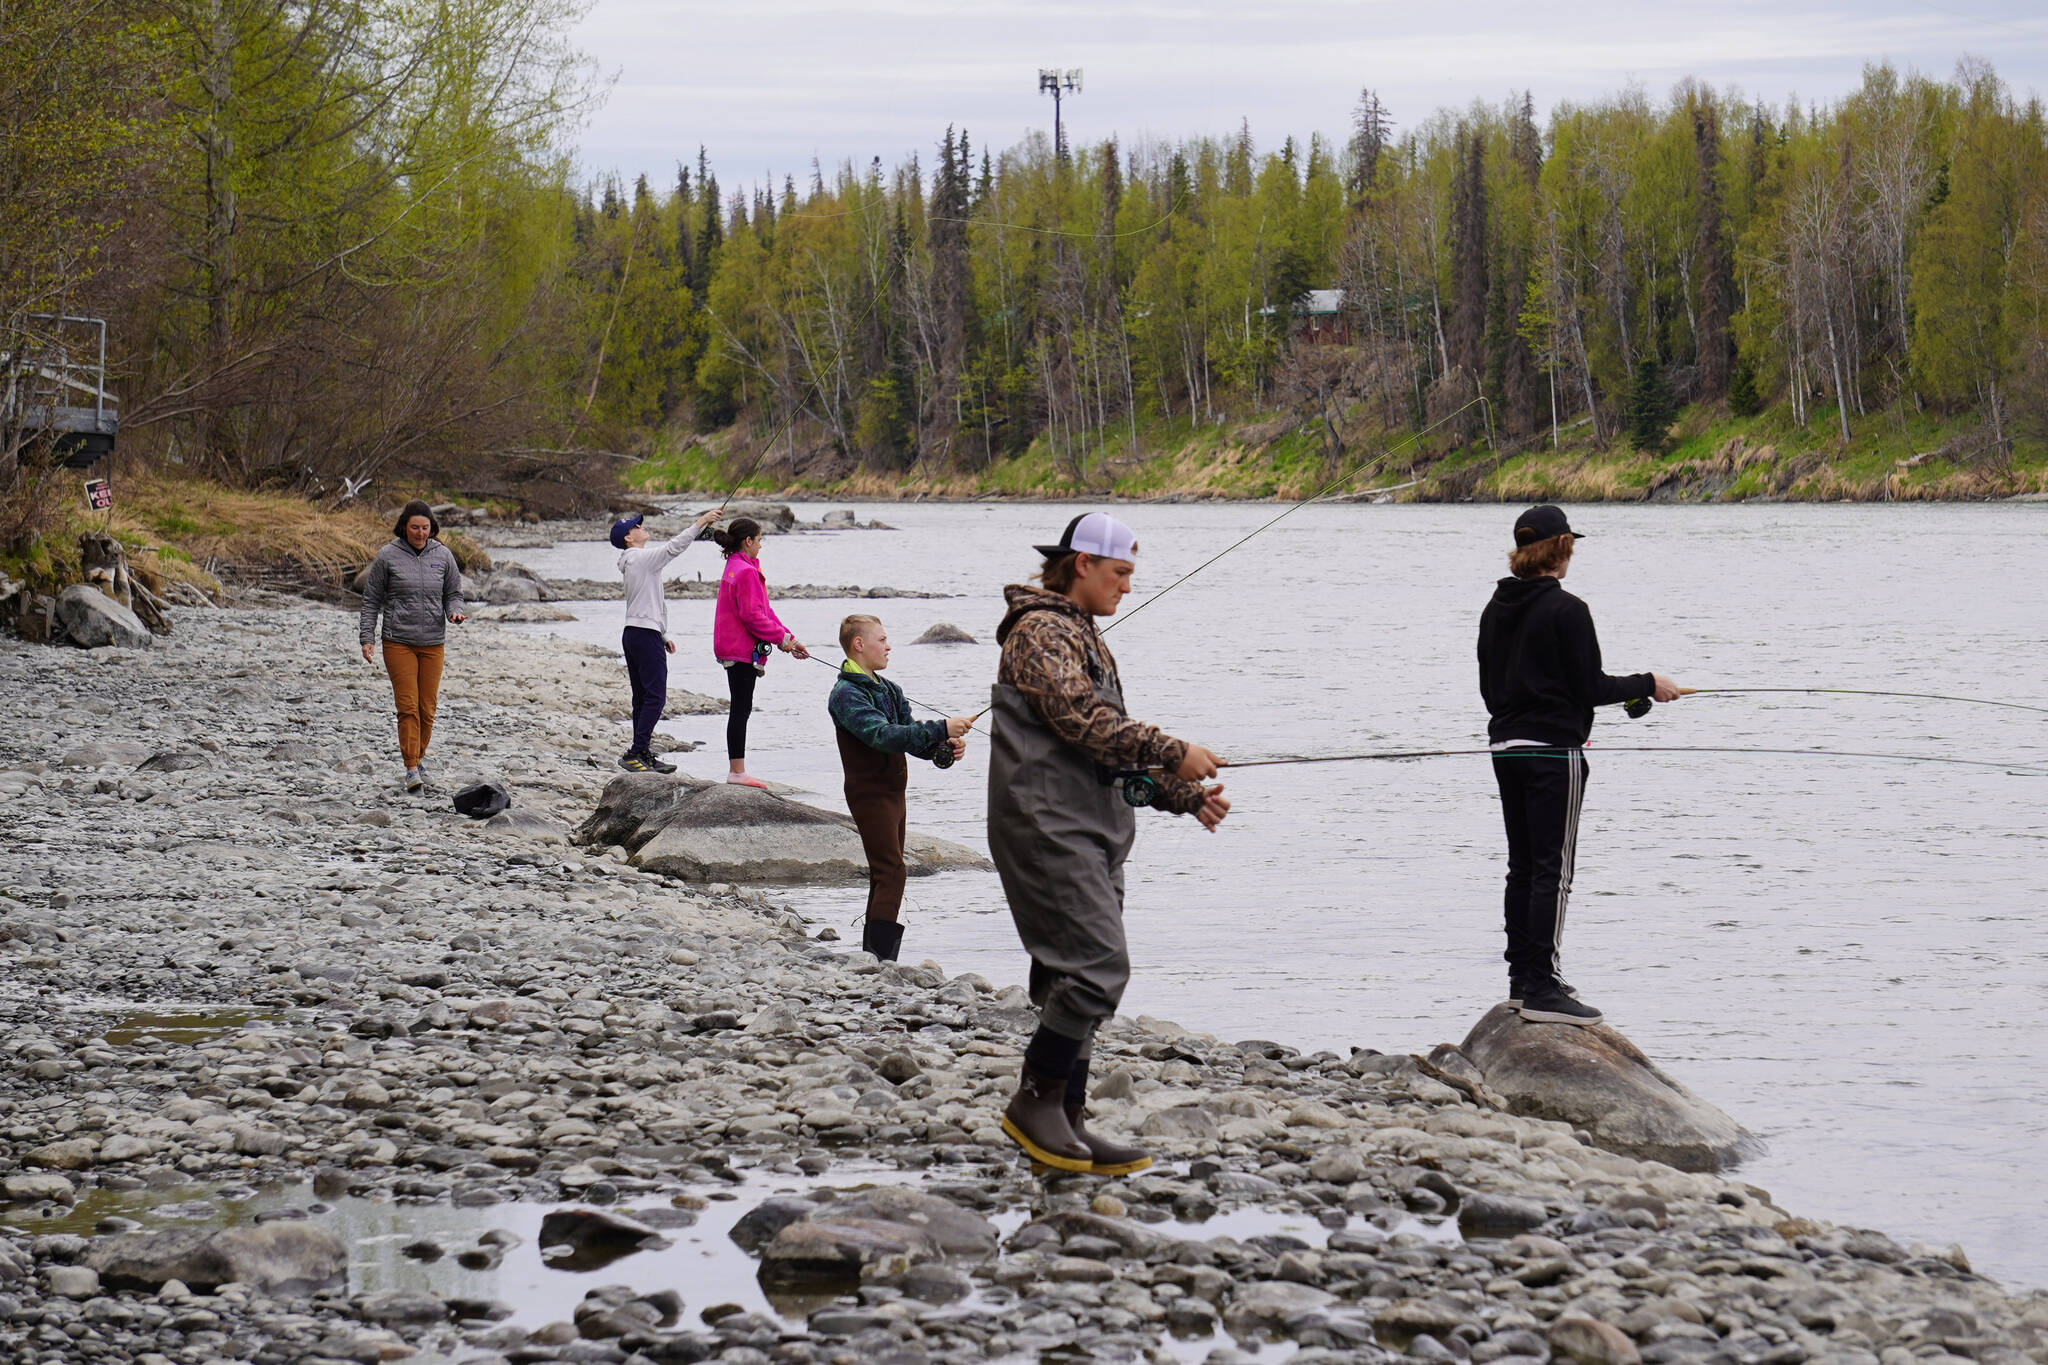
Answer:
x=741 y=634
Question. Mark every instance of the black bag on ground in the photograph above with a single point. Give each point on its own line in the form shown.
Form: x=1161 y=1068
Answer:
x=482 y=800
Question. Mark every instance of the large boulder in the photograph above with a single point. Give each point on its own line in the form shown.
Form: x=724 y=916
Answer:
x=633 y=808
x=1596 y=1079
x=287 y=1254
x=90 y=618
x=773 y=516
x=715 y=832
x=945 y=633
x=723 y=833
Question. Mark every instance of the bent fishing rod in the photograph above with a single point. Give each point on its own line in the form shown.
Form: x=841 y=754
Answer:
x=1370 y=465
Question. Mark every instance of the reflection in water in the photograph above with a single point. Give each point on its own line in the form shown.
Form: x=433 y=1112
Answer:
x=389 y=1245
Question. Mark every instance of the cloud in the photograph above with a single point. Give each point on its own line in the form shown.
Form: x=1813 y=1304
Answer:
x=770 y=84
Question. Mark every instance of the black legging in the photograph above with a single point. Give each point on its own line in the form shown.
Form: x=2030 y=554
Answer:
x=739 y=680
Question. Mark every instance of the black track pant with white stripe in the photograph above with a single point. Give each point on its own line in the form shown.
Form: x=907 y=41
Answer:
x=1540 y=797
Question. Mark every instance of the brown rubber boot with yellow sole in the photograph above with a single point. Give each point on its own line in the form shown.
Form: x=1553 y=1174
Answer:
x=1036 y=1120
x=1106 y=1157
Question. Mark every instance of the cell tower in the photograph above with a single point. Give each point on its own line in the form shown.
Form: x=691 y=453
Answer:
x=1059 y=82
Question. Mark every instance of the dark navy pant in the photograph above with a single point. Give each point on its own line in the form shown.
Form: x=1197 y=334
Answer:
x=647 y=668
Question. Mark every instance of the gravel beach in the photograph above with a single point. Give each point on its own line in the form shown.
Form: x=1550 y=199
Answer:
x=244 y=978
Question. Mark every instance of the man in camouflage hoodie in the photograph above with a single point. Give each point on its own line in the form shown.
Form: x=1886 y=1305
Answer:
x=1059 y=828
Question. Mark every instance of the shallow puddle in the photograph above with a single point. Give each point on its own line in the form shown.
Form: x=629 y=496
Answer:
x=184 y=1026
x=702 y=1262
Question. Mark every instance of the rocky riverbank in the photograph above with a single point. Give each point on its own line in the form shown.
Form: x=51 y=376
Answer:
x=246 y=985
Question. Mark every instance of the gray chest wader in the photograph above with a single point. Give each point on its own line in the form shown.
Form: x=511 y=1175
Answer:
x=1059 y=835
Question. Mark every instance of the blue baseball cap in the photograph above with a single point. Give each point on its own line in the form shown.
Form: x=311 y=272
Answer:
x=623 y=525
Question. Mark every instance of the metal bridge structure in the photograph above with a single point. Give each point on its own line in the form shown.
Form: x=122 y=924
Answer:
x=53 y=385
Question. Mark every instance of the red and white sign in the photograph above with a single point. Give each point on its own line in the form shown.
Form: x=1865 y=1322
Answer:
x=99 y=495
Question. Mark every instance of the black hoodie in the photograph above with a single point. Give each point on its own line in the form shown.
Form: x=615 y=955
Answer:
x=1539 y=665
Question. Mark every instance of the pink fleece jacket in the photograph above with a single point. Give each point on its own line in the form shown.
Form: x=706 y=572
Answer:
x=743 y=618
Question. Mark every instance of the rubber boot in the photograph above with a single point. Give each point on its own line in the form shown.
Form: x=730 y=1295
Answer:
x=1106 y=1157
x=1036 y=1120
x=882 y=937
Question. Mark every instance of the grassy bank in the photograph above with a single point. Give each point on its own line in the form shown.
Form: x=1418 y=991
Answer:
x=190 y=531
x=1709 y=457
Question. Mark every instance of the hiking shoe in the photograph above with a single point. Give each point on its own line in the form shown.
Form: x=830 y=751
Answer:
x=655 y=765
x=1548 y=1003
x=414 y=779
x=426 y=778
x=633 y=763
x=745 y=780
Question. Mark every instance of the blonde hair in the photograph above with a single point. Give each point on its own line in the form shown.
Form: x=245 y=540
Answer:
x=854 y=626
x=1542 y=557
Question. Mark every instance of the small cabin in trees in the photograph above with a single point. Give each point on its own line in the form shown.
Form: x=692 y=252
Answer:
x=1318 y=318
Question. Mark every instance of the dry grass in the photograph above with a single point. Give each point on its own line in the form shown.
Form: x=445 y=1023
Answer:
x=241 y=531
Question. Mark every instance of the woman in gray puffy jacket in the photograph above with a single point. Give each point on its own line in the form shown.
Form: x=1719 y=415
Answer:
x=416 y=585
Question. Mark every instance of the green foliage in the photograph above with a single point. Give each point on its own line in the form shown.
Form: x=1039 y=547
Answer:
x=363 y=253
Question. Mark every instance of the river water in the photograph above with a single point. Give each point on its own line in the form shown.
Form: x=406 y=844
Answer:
x=1847 y=955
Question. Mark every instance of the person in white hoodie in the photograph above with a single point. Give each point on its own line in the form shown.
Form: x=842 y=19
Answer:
x=644 y=641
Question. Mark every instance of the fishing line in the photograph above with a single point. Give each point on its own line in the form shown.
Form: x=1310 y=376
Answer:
x=1872 y=692
x=1355 y=471
x=1532 y=751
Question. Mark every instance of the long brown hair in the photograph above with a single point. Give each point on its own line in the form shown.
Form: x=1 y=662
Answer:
x=737 y=534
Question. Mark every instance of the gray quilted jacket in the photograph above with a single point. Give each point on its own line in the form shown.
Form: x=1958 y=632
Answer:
x=416 y=590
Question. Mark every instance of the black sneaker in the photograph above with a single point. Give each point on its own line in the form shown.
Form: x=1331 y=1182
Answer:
x=1548 y=1003
x=655 y=765
x=633 y=763
x=1517 y=988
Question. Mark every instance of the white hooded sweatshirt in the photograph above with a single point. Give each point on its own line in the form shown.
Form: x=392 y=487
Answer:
x=646 y=606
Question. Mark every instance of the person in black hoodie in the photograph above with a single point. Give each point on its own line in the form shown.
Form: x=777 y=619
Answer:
x=1539 y=672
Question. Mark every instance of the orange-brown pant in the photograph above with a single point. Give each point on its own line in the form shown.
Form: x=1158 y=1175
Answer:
x=415 y=686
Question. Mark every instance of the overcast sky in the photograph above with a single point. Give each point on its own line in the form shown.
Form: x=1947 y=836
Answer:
x=767 y=85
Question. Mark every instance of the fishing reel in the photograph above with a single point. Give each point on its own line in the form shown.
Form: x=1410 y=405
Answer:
x=1638 y=708
x=944 y=757
x=1138 y=787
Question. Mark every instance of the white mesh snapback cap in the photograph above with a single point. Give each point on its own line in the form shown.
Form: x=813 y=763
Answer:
x=1095 y=533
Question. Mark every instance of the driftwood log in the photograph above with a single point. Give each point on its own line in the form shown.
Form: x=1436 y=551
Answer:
x=105 y=562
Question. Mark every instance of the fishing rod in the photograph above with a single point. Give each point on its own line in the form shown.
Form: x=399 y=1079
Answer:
x=1372 y=464
x=1140 y=786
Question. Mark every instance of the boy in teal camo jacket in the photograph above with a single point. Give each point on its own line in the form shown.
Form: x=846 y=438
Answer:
x=871 y=720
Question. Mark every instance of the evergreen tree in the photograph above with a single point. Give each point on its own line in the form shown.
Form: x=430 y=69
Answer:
x=1743 y=399
x=710 y=230
x=1716 y=267
x=1647 y=412
x=1370 y=131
